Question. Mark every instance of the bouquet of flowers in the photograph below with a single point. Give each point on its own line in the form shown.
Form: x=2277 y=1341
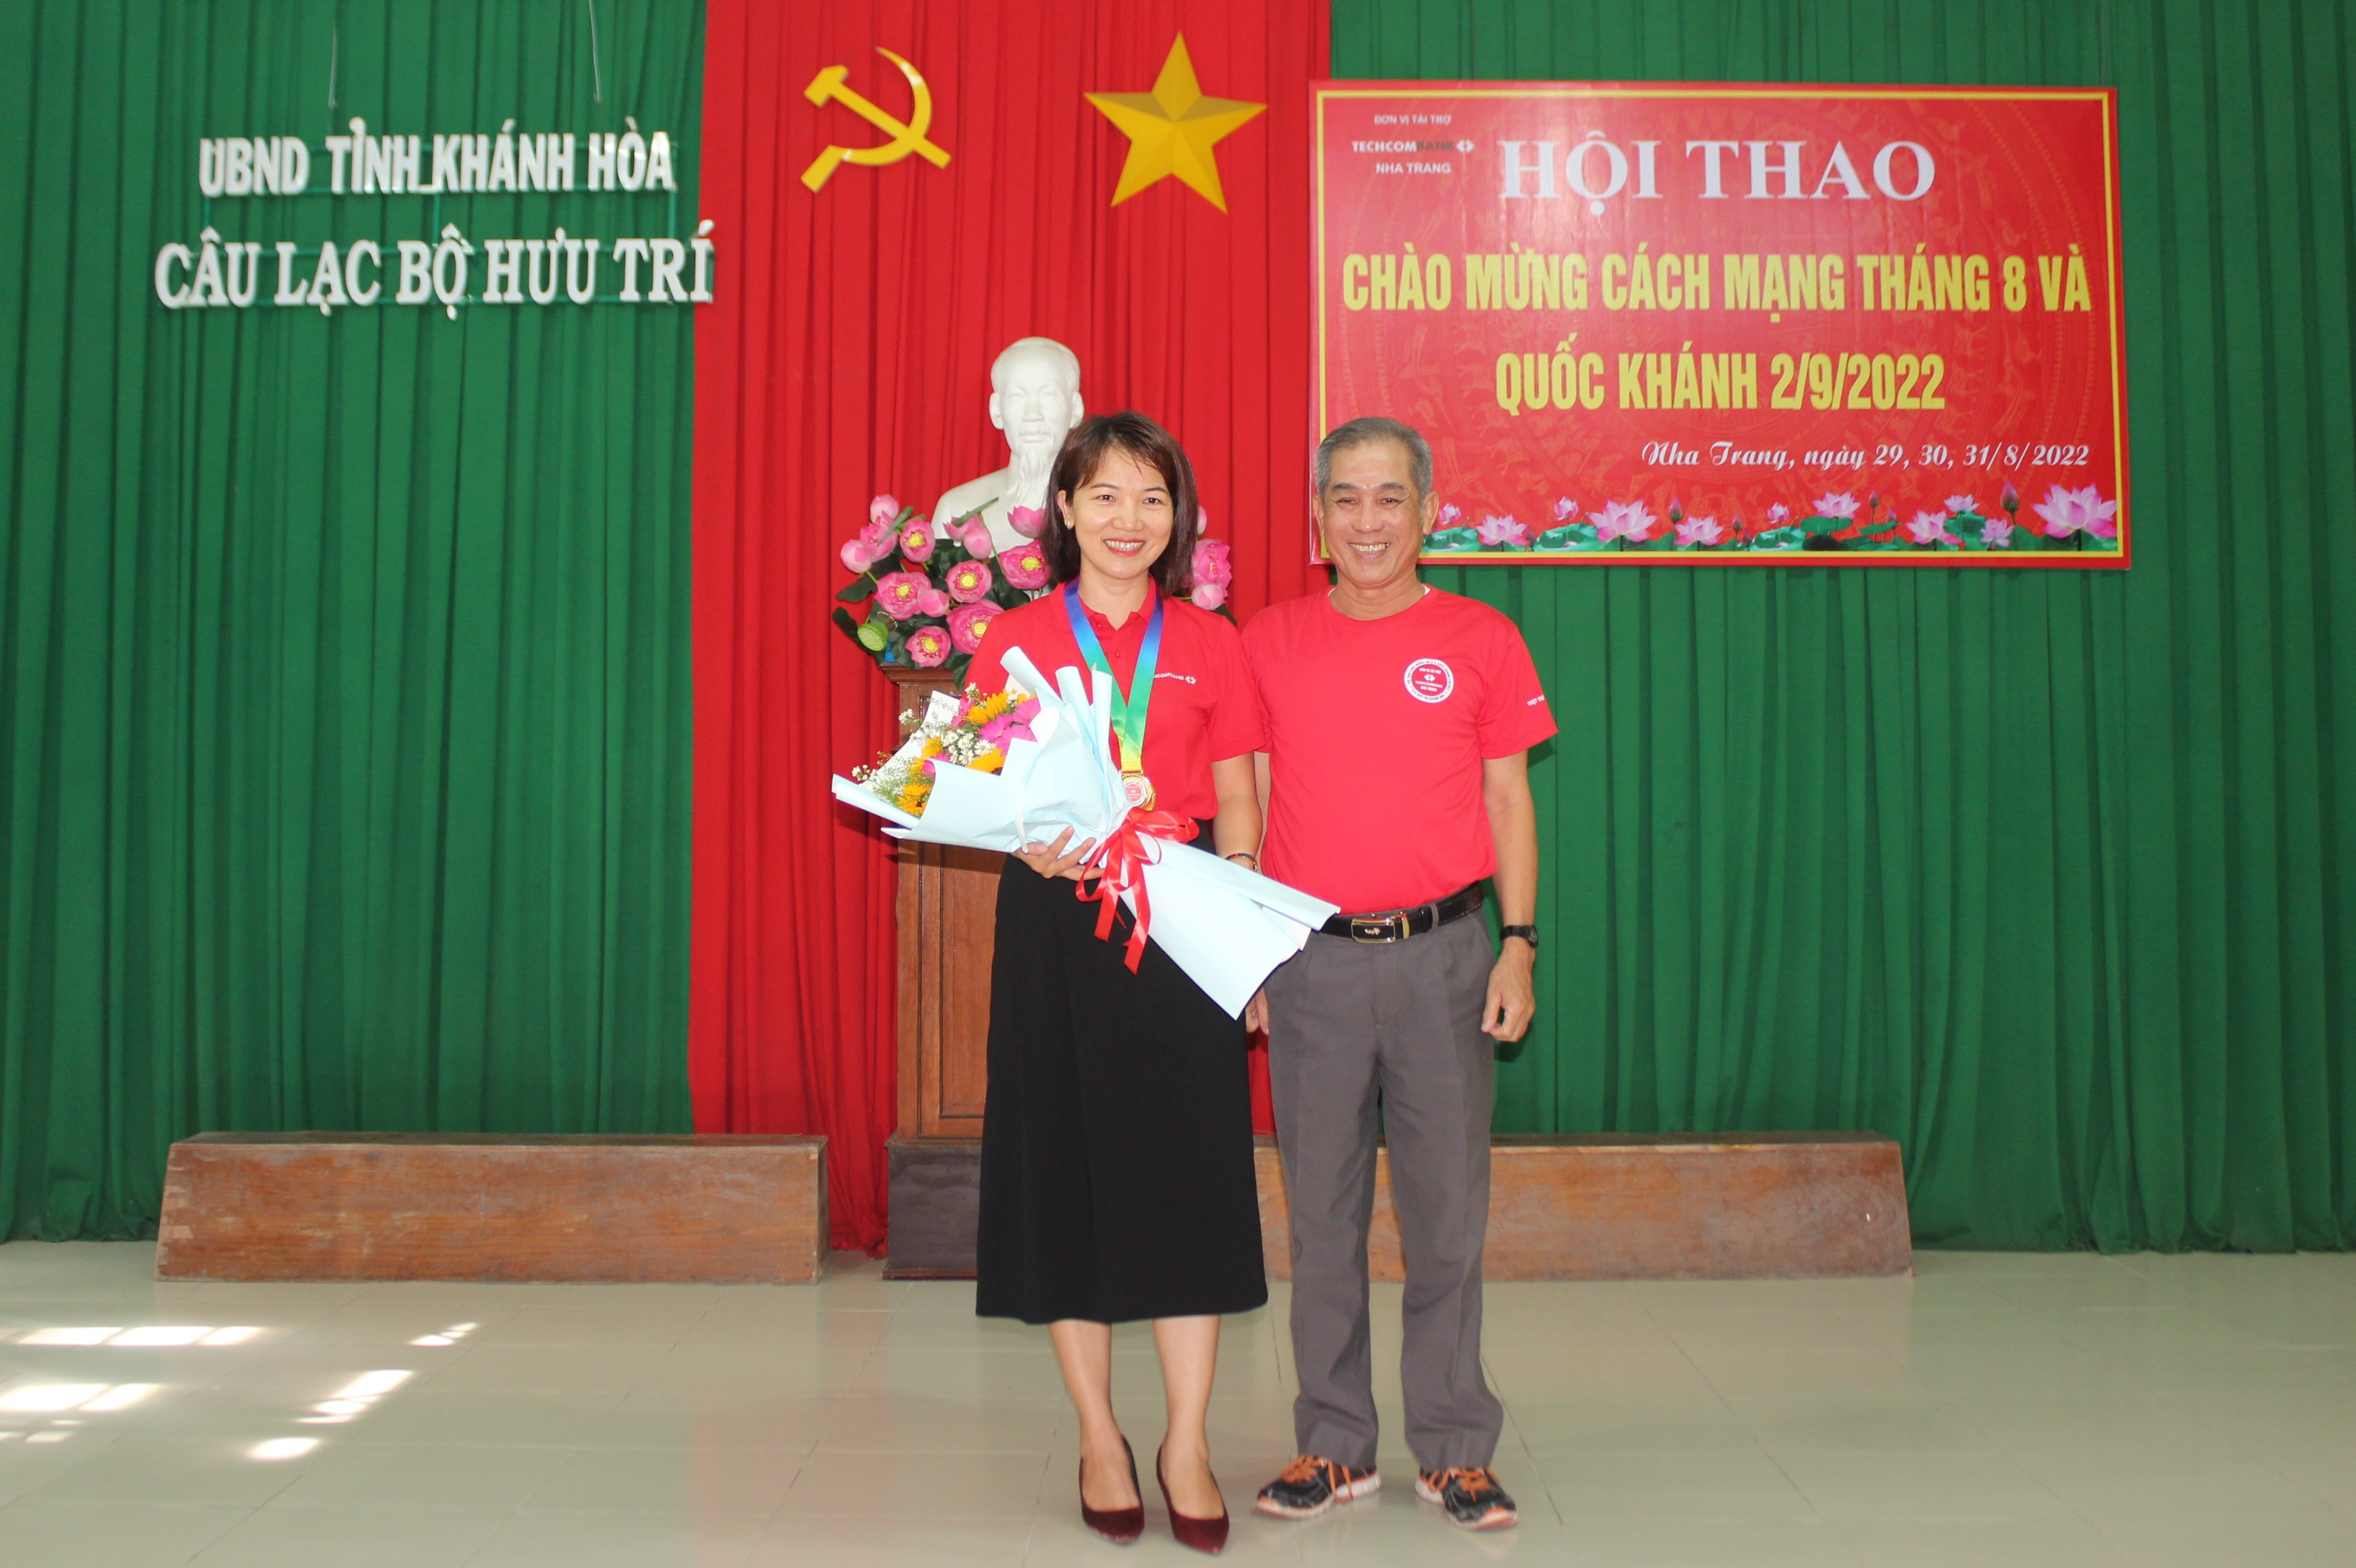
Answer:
x=971 y=731
x=934 y=595
x=1048 y=765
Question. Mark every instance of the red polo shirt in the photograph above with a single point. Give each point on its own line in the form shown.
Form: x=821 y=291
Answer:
x=1204 y=708
x=1376 y=733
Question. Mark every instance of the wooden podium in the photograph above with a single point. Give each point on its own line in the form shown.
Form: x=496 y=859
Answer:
x=947 y=907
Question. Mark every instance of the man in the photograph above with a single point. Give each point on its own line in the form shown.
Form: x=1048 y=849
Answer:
x=1399 y=720
x=1034 y=398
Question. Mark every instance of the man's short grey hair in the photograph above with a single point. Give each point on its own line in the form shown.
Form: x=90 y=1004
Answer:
x=1364 y=431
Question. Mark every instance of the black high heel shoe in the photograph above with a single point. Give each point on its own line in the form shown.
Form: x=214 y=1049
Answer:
x=1118 y=1525
x=1208 y=1536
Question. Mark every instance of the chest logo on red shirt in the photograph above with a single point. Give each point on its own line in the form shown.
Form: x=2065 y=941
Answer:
x=1430 y=681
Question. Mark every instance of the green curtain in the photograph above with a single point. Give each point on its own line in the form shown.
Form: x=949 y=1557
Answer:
x=2045 y=875
x=344 y=682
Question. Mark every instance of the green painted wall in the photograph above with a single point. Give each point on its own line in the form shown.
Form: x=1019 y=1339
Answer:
x=344 y=684
x=2046 y=875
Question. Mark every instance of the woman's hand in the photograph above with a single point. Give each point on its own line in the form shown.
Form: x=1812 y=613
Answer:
x=1055 y=860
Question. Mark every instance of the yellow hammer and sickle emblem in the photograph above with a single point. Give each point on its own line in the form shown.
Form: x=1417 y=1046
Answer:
x=828 y=85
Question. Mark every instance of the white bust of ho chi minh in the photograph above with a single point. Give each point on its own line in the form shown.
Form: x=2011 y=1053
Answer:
x=1034 y=398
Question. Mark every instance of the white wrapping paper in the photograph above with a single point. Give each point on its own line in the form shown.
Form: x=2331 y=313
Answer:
x=1227 y=928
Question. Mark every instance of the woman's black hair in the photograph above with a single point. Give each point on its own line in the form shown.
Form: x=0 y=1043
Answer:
x=1084 y=454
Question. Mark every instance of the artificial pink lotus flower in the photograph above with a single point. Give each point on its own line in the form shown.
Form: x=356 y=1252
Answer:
x=883 y=512
x=933 y=601
x=1025 y=566
x=1504 y=533
x=1213 y=562
x=970 y=580
x=861 y=553
x=917 y=542
x=1840 y=504
x=1997 y=534
x=1028 y=521
x=1699 y=532
x=930 y=647
x=1624 y=520
x=1565 y=510
x=2068 y=511
x=968 y=622
x=900 y=594
x=1777 y=513
x=1930 y=528
x=974 y=535
x=1208 y=595
x=1959 y=505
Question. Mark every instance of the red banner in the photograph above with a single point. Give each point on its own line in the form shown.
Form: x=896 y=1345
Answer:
x=1703 y=323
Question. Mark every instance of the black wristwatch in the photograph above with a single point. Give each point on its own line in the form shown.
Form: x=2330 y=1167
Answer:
x=1528 y=933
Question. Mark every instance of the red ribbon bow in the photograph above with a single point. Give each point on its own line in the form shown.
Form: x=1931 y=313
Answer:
x=1120 y=861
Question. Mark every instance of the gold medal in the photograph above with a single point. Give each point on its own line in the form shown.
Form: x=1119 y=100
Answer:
x=1138 y=790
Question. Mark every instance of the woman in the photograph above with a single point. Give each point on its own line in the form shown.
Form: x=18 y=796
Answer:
x=1117 y=1179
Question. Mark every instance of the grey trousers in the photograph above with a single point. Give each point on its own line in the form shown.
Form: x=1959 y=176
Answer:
x=1400 y=1020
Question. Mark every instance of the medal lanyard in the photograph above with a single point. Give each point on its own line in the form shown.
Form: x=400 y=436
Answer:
x=1129 y=707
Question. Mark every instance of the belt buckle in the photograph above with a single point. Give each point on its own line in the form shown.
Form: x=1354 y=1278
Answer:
x=1371 y=929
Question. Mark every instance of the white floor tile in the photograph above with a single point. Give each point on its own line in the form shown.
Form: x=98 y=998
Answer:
x=2006 y=1410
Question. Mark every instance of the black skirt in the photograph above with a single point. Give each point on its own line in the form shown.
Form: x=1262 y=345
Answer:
x=1117 y=1179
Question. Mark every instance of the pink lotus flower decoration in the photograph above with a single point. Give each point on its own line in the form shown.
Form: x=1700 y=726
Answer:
x=974 y=535
x=1998 y=533
x=1025 y=567
x=1213 y=562
x=1958 y=504
x=1028 y=521
x=968 y=622
x=932 y=601
x=1208 y=595
x=1930 y=528
x=969 y=579
x=1565 y=510
x=1624 y=520
x=883 y=512
x=1504 y=533
x=2068 y=511
x=1014 y=724
x=1838 y=505
x=900 y=594
x=1448 y=515
x=928 y=647
x=1700 y=531
x=862 y=553
x=1777 y=513
x=917 y=542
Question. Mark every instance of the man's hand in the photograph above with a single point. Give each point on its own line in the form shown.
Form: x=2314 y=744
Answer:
x=1256 y=1013
x=1512 y=1000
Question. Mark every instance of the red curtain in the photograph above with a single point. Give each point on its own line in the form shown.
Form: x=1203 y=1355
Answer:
x=848 y=354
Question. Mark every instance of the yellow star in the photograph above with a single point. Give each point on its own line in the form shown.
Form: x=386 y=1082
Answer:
x=1171 y=130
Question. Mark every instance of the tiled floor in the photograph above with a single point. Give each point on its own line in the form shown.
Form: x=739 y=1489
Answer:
x=1995 y=1410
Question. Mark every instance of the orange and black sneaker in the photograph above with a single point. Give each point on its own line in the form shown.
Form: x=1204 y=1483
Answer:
x=1470 y=1497
x=1311 y=1484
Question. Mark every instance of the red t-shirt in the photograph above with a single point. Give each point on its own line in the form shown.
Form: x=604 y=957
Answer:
x=1376 y=733
x=1202 y=710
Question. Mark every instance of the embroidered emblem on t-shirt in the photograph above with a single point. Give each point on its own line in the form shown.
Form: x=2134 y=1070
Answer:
x=1429 y=680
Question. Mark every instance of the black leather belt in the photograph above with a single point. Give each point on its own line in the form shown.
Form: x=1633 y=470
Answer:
x=1399 y=924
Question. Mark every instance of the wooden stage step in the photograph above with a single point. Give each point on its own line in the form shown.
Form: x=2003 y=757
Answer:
x=721 y=1210
x=1601 y=1206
